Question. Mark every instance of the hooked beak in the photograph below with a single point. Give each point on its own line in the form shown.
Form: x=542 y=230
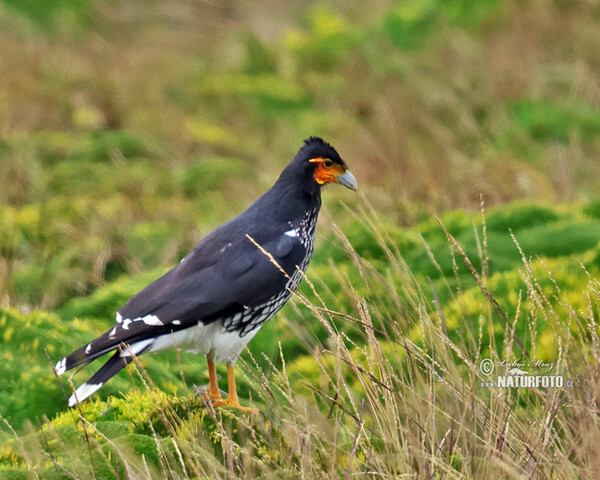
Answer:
x=347 y=180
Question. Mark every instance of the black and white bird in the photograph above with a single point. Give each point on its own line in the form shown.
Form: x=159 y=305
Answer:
x=218 y=297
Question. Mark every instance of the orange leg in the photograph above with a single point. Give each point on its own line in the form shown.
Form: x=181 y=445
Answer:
x=214 y=393
x=232 y=399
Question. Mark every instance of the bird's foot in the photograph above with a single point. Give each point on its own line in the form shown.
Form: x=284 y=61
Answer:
x=211 y=397
x=234 y=402
x=207 y=395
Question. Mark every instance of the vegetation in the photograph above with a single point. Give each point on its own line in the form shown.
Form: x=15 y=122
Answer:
x=131 y=129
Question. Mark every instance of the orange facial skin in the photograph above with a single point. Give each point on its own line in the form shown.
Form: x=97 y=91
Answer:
x=326 y=174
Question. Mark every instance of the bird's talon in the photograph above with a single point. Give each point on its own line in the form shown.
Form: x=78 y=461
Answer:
x=210 y=397
x=235 y=404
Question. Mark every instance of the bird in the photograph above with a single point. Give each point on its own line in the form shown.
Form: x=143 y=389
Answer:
x=216 y=299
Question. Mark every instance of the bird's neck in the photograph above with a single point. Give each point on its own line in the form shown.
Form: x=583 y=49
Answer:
x=288 y=199
x=296 y=198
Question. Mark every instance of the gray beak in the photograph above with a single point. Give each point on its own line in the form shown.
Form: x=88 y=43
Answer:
x=348 y=180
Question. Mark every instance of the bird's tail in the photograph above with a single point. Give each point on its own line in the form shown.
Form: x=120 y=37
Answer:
x=93 y=350
x=87 y=353
x=113 y=366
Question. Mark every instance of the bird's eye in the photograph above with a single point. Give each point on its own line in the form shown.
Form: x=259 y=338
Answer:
x=328 y=163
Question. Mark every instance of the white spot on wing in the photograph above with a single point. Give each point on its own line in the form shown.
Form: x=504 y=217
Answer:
x=225 y=247
x=119 y=318
x=151 y=320
x=113 y=332
x=126 y=323
x=88 y=349
x=292 y=233
x=176 y=322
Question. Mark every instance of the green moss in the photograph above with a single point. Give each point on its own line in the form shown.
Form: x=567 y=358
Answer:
x=592 y=209
x=554 y=280
x=545 y=120
x=15 y=474
x=27 y=387
x=208 y=174
x=101 y=146
x=410 y=23
x=560 y=239
x=270 y=93
x=324 y=42
x=104 y=302
x=520 y=215
x=50 y=17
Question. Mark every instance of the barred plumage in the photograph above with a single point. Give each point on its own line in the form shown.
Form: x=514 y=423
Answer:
x=217 y=298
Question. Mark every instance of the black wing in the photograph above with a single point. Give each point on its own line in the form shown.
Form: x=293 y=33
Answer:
x=224 y=274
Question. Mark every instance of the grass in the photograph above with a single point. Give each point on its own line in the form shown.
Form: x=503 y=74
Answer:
x=132 y=131
x=386 y=393
x=97 y=156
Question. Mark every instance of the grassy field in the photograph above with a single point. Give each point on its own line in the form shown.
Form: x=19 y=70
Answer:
x=129 y=130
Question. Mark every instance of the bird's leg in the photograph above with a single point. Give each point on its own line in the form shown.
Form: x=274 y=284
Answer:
x=213 y=393
x=232 y=399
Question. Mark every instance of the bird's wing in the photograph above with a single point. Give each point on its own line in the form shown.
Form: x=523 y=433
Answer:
x=221 y=276
x=216 y=277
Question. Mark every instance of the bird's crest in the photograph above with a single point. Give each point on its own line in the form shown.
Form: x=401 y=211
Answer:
x=314 y=140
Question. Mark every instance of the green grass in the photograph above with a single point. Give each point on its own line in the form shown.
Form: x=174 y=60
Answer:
x=385 y=390
x=128 y=132
x=428 y=100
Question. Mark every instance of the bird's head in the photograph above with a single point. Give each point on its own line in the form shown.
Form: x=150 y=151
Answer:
x=323 y=164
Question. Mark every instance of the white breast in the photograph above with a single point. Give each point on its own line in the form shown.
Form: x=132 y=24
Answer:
x=211 y=339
